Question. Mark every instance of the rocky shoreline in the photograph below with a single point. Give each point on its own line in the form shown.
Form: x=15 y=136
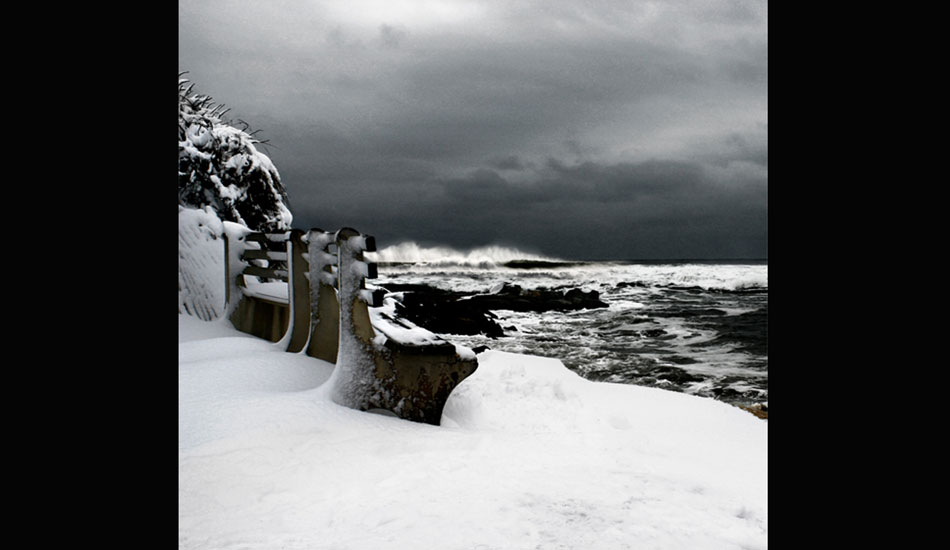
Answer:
x=469 y=313
x=760 y=410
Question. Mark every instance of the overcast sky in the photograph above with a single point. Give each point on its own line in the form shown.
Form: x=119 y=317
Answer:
x=584 y=129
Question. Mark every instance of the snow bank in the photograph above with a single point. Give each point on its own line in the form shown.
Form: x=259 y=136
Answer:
x=529 y=455
x=201 y=289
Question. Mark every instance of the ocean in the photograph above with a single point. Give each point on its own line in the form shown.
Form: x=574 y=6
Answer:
x=697 y=327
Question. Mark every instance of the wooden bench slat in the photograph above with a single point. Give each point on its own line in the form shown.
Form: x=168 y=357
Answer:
x=267 y=237
x=264 y=255
x=266 y=272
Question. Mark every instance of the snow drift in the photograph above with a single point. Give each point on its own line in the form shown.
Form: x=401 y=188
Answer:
x=529 y=455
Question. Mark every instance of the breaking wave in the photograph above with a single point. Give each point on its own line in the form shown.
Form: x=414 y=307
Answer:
x=486 y=257
x=488 y=265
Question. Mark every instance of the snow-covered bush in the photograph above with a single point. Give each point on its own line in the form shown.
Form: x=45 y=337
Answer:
x=219 y=166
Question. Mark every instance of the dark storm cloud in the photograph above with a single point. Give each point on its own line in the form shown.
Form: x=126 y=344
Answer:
x=588 y=210
x=511 y=162
x=537 y=124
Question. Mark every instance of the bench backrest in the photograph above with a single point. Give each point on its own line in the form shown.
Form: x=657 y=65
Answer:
x=308 y=263
x=326 y=316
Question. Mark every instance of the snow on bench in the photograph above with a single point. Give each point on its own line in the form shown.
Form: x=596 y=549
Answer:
x=274 y=291
x=319 y=305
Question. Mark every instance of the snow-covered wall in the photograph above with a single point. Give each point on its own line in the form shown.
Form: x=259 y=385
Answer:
x=201 y=279
x=201 y=269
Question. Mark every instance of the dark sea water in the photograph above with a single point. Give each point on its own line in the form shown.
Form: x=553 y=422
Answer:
x=698 y=327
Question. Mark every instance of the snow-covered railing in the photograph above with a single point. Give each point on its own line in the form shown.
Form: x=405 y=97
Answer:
x=353 y=378
x=282 y=300
x=278 y=311
x=321 y=304
x=324 y=289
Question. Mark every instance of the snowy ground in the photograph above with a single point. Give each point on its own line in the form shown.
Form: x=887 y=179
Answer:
x=529 y=455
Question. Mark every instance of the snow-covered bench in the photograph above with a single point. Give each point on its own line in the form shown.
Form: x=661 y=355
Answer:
x=385 y=362
x=318 y=303
x=261 y=274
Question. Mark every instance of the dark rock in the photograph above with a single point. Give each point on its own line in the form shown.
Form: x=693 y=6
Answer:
x=421 y=288
x=515 y=298
x=538 y=264
x=444 y=314
x=449 y=312
x=758 y=410
x=480 y=349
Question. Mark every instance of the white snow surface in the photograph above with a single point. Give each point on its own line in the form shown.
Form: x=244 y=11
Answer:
x=201 y=290
x=529 y=455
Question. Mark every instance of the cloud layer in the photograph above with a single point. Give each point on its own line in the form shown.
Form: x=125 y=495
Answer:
x=601 y=129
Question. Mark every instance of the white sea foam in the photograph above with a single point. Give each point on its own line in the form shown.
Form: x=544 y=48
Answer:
x=648 y=324
x=443 y=256
x=481 y=269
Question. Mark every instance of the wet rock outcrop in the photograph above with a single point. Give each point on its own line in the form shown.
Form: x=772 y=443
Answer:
x=451 y=312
